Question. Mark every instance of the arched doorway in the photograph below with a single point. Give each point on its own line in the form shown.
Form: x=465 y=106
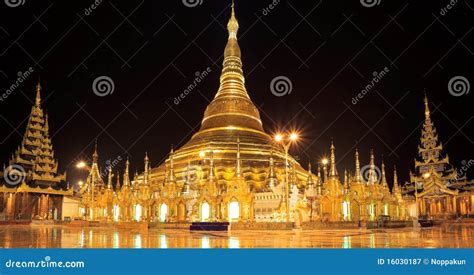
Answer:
x=205 y=211
x=234 y=210
x=163 y=212
x=181 y=212
x=138 y=212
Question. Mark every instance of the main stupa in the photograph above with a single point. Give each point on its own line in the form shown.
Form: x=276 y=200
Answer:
x=231 y=157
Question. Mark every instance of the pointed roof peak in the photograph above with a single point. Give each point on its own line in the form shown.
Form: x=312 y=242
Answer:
x=95 y=155
x=38 y=93
x=233 y=24
x=427 y=108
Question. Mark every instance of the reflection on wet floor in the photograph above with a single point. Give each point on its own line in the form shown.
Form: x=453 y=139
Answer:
x=451 y=235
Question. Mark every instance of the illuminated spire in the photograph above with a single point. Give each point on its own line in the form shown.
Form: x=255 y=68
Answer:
x=95 y=155
x=346 y=181
x=427 y=109
x=333 y=169
x=309 y=181
x=126 y=175
x=357 y=174
x=319 y=186
x=384 y=178
x=117 y=185
x=109 y=182
x=146 y=172
x=272 y=180
x=231 y=105
x=38 y=93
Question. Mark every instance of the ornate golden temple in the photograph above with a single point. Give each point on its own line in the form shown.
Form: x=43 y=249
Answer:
x=31 y=187
x=232 y=170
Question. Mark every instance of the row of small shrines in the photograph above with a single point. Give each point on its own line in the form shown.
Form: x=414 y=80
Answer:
x=323 y=197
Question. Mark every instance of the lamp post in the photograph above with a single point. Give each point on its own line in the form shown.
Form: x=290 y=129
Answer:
x=84 y=165
x=286 y=141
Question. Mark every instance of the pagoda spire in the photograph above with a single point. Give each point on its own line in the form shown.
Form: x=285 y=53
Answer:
x=346 y=181
x=384 y=178
x=146 y=173
x=272 y=180
x=95 y=155
x=319 y=186
x=427 y=109
x=109 y=181
x=38 y=94
x=396 y=187
x=126 y=174
x=372 y=178
x=357 y=174
x=231 y=105
x=117 y=185
x=309 y=181
x=333 y=169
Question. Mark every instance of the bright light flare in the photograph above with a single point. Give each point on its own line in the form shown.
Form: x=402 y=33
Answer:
x=293 y=136
x=324 y=161
x=81 y=164
x=278 y=137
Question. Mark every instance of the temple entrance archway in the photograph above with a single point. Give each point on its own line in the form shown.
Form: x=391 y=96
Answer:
x=234 y=210
x=205 y=211
x=181 y=212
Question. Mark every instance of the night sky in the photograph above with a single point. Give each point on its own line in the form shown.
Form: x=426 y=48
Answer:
x=151 y=50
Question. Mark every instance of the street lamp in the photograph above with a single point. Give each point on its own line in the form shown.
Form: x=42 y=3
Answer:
x=325 y=162
x=286 y=141
x=84 y=165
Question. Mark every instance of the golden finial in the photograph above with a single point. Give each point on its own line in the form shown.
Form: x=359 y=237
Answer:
x=333 y=171
x=95 y=156
x=233 y=25
x=38 y=93
x=427 y=108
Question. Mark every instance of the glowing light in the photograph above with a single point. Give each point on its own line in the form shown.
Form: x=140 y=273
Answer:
x=234 y=210
x=324 y=161
x=202 y=154
x=81 y=164
x=138 y=212
x=205 y=212
x=80 y=183
x=278 y=137
x=426 y=175
x=293 y=136
x=163 y=212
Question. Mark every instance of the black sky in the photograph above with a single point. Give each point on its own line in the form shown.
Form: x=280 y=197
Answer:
x=152 y=50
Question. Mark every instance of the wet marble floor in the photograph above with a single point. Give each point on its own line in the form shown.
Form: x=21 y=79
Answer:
x=56 y=236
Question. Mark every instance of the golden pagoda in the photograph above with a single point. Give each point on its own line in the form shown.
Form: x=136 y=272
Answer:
x=31 y=186
x=232 y=170
x=439 y=190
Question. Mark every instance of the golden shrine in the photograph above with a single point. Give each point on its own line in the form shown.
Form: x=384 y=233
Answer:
x=232 y=170
x=439 y=190
x=31 y=186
